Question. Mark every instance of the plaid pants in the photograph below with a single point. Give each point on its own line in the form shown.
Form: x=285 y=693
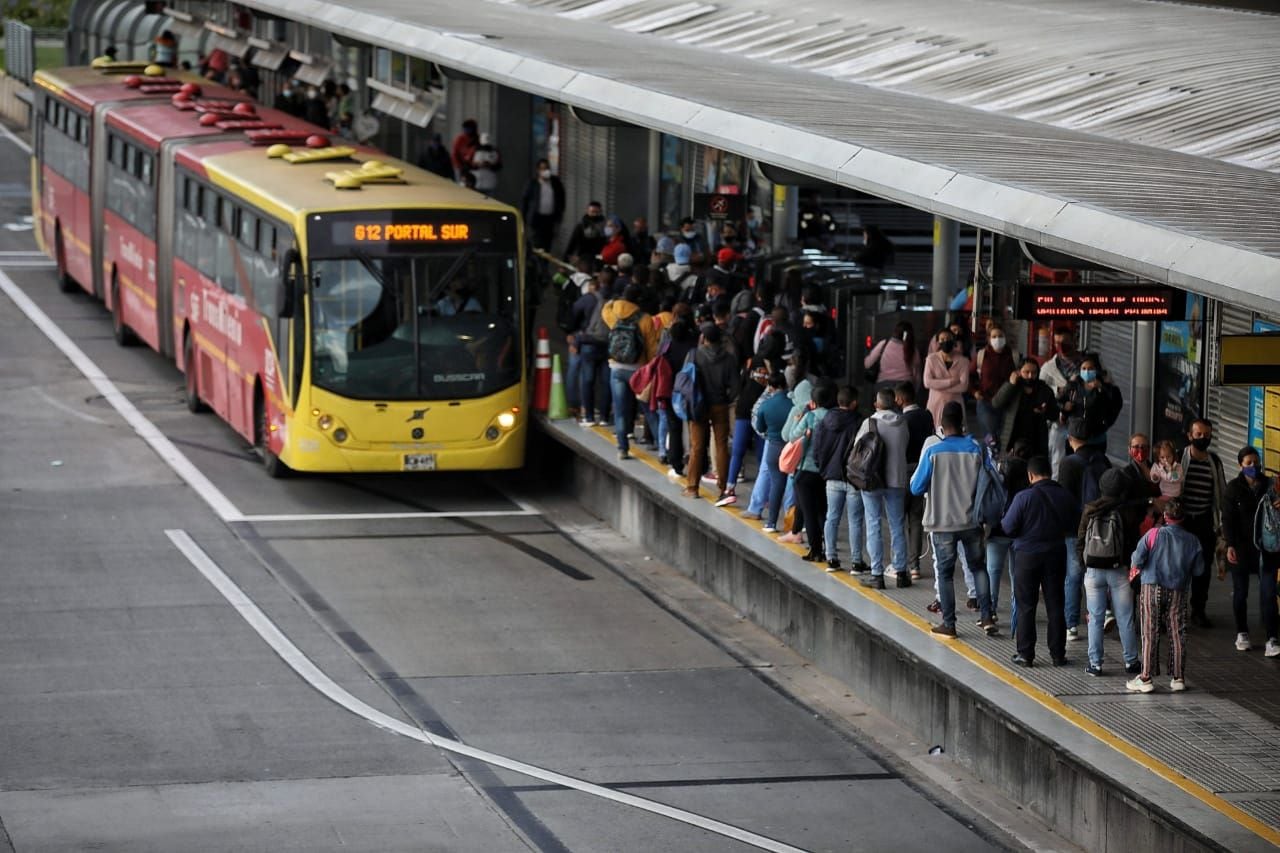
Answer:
x=1158 y=605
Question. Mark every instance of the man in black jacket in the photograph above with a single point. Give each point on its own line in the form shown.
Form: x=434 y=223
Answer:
x=919 y=427
x=543 y=205
x=718 y=381
x=1081 y=475
x=831 y=444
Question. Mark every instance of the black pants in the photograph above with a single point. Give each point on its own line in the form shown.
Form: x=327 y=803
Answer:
x=811 y=497
x=675 y=442
x=915 y=530
x=1201 y=526
x=543 y=229
x=1241 y=572
x=1043 y=573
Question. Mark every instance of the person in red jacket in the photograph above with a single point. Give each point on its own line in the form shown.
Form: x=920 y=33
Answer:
x=464 y=146
x=993 y=364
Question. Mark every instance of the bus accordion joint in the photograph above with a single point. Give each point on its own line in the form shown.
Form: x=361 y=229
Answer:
x=370 y=172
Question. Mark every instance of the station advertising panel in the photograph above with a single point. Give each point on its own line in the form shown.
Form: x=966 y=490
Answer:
x=1179 y=381
x=1264 y=411
x=1127 y=302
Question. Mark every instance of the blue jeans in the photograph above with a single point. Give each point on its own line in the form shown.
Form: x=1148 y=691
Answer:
x=624 y=405
x=664 y=427
x=777 y=482
x=1074 y=584
x=760 y=490
x=842 y=497
x=591 y=381
x=945 y=546
x=573 y=380
x=877 y=503
x=998 y=548
x=1097 y=584
x=744 y=439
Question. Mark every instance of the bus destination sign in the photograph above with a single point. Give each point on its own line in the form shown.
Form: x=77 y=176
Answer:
x=1100 y=302
x=399 y=231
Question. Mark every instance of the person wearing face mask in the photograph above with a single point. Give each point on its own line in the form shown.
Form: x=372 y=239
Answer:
x=946 y=375
x=1062 y=367
x=1168 y=560
x=588 y=235
x=543 y=205
x=994 y=363
x=1092 y=397
x=1026 y=408
x=1204 y=489
x=615 y=235
x=895 y=360
x=692 y=237
x=1244 y=494
x=464 y=145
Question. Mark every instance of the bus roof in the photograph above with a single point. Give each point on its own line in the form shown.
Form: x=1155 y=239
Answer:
x=84 y=85
x=156 y=121
x=290 y=190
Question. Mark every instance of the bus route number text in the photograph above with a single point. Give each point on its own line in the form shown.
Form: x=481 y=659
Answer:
x=416 y=232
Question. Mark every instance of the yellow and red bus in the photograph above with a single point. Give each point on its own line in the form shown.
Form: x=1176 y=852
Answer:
x=341 y=310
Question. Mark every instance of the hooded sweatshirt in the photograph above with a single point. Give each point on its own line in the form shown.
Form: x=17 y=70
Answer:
x=893 y=432
x=832 y=441
x=808 y=422
x=717 y=373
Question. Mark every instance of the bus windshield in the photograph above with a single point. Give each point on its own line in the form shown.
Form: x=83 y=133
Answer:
x=438 y=324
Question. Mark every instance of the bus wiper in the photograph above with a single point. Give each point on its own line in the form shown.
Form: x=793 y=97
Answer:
x=367 y=262
x=448 y=276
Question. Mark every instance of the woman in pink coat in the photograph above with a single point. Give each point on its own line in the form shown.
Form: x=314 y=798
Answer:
x=946 y=375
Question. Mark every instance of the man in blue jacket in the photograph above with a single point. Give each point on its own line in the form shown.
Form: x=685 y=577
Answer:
x=1039 y=519
x=948 y=475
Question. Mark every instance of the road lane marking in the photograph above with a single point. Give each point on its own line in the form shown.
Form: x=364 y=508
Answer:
x=383 y=516
x=14 y=138
x=314 y=676
x=147 y=431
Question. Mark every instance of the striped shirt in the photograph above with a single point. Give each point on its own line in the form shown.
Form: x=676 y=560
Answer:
x=1197 y=486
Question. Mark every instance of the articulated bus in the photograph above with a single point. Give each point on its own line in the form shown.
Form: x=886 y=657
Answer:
x=342 y=311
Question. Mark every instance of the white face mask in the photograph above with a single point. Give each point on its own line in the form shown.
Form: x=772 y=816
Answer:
x=997 y=344
x=688 y=235
x=609 y=231
x=544 y=174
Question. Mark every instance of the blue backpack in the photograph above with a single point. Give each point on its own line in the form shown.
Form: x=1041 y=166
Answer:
x=989 y=498
x=686 y=393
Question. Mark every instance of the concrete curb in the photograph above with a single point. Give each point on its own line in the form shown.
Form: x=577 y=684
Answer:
x=1092 y=794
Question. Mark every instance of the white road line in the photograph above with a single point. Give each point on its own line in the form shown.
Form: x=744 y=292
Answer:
x=14 y=138
x=314 y=676
x=381 y=516
x=61 y=406
x=173 y=457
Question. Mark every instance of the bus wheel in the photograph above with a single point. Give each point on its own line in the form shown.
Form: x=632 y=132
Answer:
x=123 y=334
x=192 y=393
x=274 y=467
x=66 y=283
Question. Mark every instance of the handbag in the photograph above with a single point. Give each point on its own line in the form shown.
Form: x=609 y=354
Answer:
x=792 y=455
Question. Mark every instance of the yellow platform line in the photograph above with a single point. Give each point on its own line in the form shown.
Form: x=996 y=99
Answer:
x=1032 y=691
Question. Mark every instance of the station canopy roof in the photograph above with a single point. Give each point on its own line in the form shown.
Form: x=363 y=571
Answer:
x=1140 y=135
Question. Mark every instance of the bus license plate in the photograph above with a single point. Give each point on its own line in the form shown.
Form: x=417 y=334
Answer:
x=419 y=462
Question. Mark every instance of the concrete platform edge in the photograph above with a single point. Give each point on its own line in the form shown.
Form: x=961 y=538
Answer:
x=1093 y=795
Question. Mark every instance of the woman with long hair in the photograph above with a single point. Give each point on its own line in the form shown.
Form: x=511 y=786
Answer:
x=895 y=359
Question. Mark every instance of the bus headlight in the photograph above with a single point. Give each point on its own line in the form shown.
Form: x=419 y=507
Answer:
x=492 y=433
x=324 y=421
x=339 y=435
x=506 y=420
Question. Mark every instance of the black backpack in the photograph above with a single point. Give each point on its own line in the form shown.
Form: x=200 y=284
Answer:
x=864 y=467
x=625 y=345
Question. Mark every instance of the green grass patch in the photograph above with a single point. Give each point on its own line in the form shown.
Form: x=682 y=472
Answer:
x=47 y=56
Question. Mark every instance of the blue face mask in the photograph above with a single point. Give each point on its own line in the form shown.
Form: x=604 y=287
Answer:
x=1088 y=375
x=1250 y=471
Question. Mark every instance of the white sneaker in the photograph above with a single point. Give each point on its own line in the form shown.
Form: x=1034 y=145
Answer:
x=1273 y=648
x=890 y=573
x=673 y=474
x=768 y=529
x=1177 y=685
x=1242 y=643
x=1137 y=685
x=1073 y=634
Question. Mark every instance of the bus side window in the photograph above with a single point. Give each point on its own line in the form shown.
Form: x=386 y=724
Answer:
x=224 y=250
x=208 y=229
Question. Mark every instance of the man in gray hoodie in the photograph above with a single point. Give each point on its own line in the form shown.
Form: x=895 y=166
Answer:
x=888 y=502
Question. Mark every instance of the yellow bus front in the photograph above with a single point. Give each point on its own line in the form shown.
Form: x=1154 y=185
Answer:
x=413 y=352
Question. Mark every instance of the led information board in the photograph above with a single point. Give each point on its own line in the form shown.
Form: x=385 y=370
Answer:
x=399 y=231
x=1100 y=302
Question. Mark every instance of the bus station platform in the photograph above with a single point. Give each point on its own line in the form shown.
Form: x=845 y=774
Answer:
x=1106 y=769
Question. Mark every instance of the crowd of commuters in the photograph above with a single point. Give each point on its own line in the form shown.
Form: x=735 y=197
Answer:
x=861 y=474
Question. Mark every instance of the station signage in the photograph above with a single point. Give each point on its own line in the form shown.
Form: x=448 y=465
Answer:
x=1100 y=302
x=1249 y=359
x=720 y=206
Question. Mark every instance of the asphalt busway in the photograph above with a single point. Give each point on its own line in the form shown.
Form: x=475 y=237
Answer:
x=1107 y=769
